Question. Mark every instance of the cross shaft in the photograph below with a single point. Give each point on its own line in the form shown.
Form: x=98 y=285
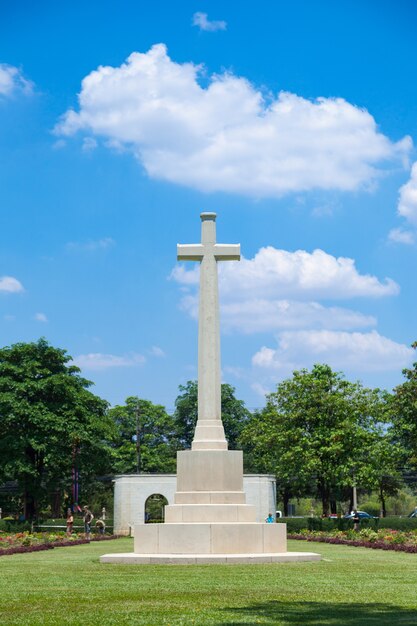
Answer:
x=209 y=433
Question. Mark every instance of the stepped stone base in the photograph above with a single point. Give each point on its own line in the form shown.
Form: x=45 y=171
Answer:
x=130 y=558
x=214 y=538
x=210 y=521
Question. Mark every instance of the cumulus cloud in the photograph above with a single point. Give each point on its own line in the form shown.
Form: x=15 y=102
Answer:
x=201 y=20
x=98 y=361
x=407 y=205
x=399 y=235
x=89 y=144
x=12 y=81
x=91 y=245
x=407 y=209
x=341 y=350
x=157 y=352
x=228 y=136
x=41 y=317
x=8 y=284
x=261 y=315
x=275 y=273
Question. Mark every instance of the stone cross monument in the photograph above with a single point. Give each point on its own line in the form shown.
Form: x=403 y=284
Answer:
x=209 y=432
x=209 y=520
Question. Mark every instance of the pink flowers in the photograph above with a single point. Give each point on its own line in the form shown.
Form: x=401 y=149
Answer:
x=33 y=542
x=384 y=539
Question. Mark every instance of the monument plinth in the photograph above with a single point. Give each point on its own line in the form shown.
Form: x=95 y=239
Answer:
x=209 y=521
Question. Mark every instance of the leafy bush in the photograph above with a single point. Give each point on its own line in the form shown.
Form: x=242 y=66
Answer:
x=398 y=523
x=294 y=524
x=12 y=526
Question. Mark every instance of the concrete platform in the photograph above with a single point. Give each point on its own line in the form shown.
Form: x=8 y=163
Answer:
x=130 y=558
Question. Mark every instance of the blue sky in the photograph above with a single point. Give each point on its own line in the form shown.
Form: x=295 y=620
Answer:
x=295 y=122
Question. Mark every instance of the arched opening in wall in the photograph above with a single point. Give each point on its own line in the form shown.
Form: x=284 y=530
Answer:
x=154 y=508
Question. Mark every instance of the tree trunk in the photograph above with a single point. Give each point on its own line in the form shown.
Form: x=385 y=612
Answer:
x=285 y=500
x=383 y=505
x=29 y=506
x=333 y=506
x=56 y=503
x=325 y=499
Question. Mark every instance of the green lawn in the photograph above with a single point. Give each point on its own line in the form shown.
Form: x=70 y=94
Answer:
x=350 y=586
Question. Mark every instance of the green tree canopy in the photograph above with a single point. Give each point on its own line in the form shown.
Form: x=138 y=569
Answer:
x=143 y=430
x=404 y=415
x=315 y=433
x=234 y=414
x=49 y=420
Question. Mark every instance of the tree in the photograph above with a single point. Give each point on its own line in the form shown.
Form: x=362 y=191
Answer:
x=404 y=415
x=234 y=414
x=380 y=471
x=314 y=433
x=144 y=439
x=49 y=421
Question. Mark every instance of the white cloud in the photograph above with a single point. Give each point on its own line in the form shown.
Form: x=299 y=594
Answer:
x=407 y=209
x=253 y=316
x=157 y=352
x=89 y=144
x=12 y=80
x=260 y=389
x=99 y=361
x=41 y=317
x=341 y=350
x=407 y=205
x=261 y=315
x=9 y=284
x=91 y=245
x=201 y=20
x=399 y=235
x=278 y=290
x=277 y=274
x=228 y=136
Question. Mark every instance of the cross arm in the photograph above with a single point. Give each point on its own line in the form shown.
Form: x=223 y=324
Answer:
x=227 y=251
x=190 y=252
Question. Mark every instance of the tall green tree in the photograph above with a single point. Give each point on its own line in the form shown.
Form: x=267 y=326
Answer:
x=315 y=432
x=404 y=415
x=49 y=421
x=144 y=438
x=234 y=414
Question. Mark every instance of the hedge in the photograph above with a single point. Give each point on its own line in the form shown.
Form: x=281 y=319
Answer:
x=398 y=523
x=295 y=524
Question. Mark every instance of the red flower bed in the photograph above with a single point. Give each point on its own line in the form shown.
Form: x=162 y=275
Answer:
x=359 y=543
x=48 y=545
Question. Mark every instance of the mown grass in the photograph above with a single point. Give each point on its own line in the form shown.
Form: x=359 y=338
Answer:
x=350 y=586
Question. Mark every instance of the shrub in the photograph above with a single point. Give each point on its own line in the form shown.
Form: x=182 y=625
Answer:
x=369 y=523
x=294 y=524
x=10 y=525
x=398 y=523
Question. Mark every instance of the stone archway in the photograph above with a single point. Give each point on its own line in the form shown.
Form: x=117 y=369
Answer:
x=154 y=508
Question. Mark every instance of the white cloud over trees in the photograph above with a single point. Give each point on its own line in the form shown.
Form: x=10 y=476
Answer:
x=97 y=361
x=229 y=135
x=279 y=292
x=341 y=350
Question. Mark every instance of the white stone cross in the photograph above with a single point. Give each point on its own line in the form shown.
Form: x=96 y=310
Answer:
x=209 y=432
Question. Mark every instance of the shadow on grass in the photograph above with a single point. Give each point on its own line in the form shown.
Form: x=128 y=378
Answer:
x=322 y=614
